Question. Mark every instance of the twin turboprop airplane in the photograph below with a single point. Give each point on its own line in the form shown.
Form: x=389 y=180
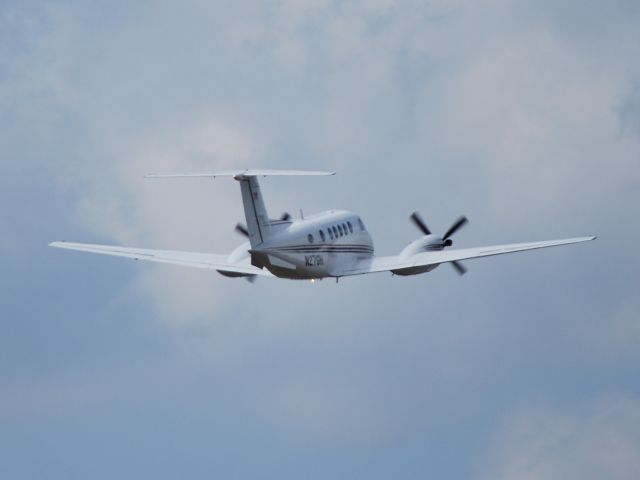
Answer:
x=334 y=243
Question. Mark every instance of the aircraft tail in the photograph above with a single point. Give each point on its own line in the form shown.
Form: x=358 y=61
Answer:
x=255 y=211
x=259 y=226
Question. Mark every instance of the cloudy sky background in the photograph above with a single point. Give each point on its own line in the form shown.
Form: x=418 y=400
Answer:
x=524 y=116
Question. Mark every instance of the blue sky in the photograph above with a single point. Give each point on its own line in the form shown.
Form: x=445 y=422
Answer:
x=524 y=116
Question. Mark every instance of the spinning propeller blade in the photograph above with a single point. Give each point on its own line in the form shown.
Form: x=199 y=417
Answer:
x=461 y=269
x=454 y=228
x=242 y=230
x=417 y=220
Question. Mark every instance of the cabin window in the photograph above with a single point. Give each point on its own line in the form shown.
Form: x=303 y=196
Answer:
x=344 y=227
x=361 y=224
x=310 y=238
x=335 y=231
x=350 y=227
x=322 y=237
x=340 y=230
x=330 y=232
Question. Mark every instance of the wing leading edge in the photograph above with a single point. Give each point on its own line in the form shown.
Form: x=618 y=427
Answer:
x=186 y=259
x=425 y=259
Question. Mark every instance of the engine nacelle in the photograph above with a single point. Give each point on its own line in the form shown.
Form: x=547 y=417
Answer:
x=427 y=243
x=423 y=244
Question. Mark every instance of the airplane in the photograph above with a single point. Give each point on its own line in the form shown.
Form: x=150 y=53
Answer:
x=333 y=244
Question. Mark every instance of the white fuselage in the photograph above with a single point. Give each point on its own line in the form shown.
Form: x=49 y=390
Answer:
x=318 y=246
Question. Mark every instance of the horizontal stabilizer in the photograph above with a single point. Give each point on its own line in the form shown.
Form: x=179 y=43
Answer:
x=242 y=174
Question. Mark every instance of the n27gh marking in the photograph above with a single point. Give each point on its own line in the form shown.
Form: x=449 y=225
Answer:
x=313 y=260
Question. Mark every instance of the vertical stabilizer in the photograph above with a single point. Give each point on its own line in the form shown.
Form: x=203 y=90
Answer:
x=255 y=211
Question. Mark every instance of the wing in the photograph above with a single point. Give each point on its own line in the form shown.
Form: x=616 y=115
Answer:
x=187 y=259
x=425 y=259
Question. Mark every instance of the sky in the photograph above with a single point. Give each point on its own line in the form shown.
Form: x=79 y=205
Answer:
x=522 y=115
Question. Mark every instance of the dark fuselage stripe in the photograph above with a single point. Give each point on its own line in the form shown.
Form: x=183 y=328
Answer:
x=323 y=248
x=305 y=247
x=318 y=252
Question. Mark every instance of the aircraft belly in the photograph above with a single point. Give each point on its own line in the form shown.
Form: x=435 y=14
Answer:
x=414 y=270
x=298 y=265
x=312 y=262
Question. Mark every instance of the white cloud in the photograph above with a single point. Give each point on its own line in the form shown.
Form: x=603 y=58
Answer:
x=375 y=88
x=328 y=410
x=193 y=214
x=403 y=99
x=169 y=212
x=601 y=441
x=538 y=113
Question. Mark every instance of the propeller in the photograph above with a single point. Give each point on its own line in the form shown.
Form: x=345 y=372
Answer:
x=461 y=269
x=446 y=238
x=454 y=228
x=242 y=230
x=417 y=220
